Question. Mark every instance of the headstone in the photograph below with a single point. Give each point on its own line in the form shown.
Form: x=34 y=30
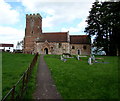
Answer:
x=61 y=57
x=32 y=53
x=90 y=61
x=78 y=57
x=93 y=57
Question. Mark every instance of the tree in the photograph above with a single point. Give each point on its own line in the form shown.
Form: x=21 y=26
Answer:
x=103 y=22
x=19 y=45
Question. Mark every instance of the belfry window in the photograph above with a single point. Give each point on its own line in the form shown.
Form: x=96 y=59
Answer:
x=38 y=27
x=32 y=32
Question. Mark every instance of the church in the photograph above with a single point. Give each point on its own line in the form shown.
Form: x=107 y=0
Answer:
x=52 y=42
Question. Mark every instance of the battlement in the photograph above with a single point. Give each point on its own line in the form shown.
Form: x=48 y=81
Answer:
x=33 y=15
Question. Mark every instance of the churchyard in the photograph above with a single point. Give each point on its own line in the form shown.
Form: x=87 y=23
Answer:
x=76 y=79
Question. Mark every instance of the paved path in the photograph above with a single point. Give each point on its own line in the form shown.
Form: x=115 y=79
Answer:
x=45 y=85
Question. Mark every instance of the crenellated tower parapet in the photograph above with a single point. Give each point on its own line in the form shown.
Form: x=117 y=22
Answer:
x=33 y=15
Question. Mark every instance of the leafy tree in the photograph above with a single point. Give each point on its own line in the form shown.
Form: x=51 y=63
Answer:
x=19 y=44
x=103 y=22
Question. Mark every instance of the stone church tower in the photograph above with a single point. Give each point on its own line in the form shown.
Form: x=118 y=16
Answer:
x=33 y=31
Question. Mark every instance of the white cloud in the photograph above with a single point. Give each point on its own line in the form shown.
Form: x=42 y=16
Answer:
x=11 y=35
x=78 y=29
x=59 y=12
x=63 y=0
x=60 y=0
x=12 y=0
x=7 y=14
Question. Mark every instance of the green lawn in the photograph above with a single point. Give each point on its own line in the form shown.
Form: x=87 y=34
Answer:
x=13 y=66
x=78 y=80
x=0 y=75
x=32 y=83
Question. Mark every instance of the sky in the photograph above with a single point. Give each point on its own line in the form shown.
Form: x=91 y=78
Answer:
x=57 y=16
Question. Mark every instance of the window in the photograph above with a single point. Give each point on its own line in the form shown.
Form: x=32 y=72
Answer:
x=73 y=47
x=60 y=44
x=38 y=26
x=84 y=47
x=52 y=48
x=32 y=32
x=32 y=23
x=79 y=51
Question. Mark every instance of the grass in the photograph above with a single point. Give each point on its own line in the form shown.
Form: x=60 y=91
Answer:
x=78 y=80
x=32 y=83
x=0 y=76
x=13 y=66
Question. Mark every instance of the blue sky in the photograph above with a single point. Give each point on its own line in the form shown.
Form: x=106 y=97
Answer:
x=57 y=16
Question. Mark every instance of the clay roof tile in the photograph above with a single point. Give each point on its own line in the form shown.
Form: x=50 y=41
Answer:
x=79 y=39
x=54 y=37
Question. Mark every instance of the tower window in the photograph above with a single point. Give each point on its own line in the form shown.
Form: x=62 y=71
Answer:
x=38 y=26
x=32 y=23
x=32 y=32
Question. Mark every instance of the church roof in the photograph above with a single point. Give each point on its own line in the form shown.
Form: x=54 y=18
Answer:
x=6 y=45
x=54 y=37
x=63 y=37
x=79 y=39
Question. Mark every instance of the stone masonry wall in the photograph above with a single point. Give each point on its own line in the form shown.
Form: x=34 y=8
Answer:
x=53 y=47
x=82 y=49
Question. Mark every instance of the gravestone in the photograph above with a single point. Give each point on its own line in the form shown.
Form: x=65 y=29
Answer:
x=93 y=58
x=61 y=58
x=78 y=57
x=90 y=61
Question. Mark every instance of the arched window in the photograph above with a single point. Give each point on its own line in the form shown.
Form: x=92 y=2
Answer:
x=79 y=52
x=52 y=48
x=32 y=32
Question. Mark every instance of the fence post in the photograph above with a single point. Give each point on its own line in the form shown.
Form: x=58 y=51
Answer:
x=27 y=76
x=23 y=81
x=23 y=84
x=13 y=94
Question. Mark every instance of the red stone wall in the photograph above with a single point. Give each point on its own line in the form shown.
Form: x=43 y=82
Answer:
x=32 y=31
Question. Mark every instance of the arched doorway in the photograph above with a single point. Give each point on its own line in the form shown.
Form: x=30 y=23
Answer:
x=79 y=52
x=46 y=51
